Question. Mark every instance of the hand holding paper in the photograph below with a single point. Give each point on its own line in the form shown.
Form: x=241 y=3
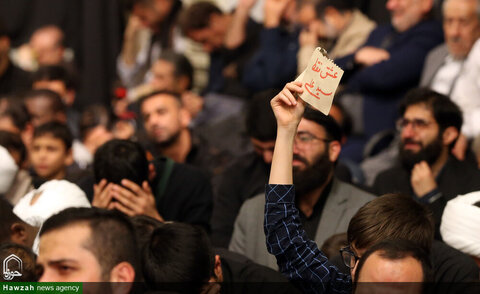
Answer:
x=320 y=81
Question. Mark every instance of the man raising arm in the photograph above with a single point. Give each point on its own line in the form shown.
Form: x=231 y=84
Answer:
x=297 y=256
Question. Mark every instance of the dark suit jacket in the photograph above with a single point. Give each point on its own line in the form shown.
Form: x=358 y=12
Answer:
x=382 y=85
x=248 y=237
x=456 y=178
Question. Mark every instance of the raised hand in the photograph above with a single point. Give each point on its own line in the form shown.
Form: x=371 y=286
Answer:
x=287 y=109
x=273 y=11
x=288 y=112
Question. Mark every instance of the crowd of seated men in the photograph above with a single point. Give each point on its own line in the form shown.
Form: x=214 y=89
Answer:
x=205 y=173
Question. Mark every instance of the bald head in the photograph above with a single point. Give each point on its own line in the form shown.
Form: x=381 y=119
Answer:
x=47 y=45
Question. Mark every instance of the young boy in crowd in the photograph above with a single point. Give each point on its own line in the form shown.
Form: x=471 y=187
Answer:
x=51 y=151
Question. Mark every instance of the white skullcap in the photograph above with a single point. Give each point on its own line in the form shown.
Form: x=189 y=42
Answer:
x=56 y=195
x=460 y=227
x=8 y=170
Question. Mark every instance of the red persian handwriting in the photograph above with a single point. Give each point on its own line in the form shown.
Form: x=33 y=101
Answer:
x=328 y=74
x=317 y=91
x=316 y=68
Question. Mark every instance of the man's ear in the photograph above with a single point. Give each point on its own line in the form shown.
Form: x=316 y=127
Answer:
x=122 y=272
x=217 y=270
x=69 y=98
x=182 y=84
x=27 y=135
x=69 y=157
x=334 y=149
x=449 y=135
x=19 y=234
x=185 y=117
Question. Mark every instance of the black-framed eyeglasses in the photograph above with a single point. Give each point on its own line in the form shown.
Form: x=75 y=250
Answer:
x=306 y=137
x=349 y=257
x=417 y=124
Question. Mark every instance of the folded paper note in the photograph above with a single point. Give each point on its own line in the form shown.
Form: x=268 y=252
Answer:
x=320 y=81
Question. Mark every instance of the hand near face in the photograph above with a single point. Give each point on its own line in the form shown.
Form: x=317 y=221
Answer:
x=422 y=179
x=274 y=10
x=369 y=56
x=132 y=199
x=134 y=26
x=101 y=194
x=308 y=37
x=193 y=103
x=288 y=111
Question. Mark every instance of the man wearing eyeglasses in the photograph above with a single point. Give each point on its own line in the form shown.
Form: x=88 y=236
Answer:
x=326 y=204
x=429 y=128
x=391 y=217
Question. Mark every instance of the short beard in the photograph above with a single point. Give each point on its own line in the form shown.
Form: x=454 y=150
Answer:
x=314 y=176
x=169 y=142
x=429 y=153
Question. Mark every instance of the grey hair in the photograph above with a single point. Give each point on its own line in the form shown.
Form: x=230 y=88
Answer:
x=478 y=6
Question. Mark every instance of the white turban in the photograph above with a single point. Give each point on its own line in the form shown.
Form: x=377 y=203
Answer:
x=8 y=170
x=460 y=227
x=56 y=195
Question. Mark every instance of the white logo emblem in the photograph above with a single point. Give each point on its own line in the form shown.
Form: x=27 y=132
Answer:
x=12 y=262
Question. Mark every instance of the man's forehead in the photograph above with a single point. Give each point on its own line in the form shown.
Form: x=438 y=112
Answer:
x=420 y=110
x=158 y=100
x=468 y=6
x=311 y=126
x=164 y=65
x=62 y=241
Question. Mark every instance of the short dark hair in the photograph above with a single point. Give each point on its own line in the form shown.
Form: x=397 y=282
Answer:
x=260 y=120
x=391 y=216
x=178 y=253
x=197 y=16
x=120 y=159
x=54 y=73
x=112 y=239
x=56 y=103
x=399 y=249
x=16 y=111
x=13 y=141
x=93 y=116
x=333 y=130
x=144 y=226
x=57 y=130
x=340 y=5
x=7 y=219
x=181 y=64
x=445 y=111
x=156 y=93
x=28 y=258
